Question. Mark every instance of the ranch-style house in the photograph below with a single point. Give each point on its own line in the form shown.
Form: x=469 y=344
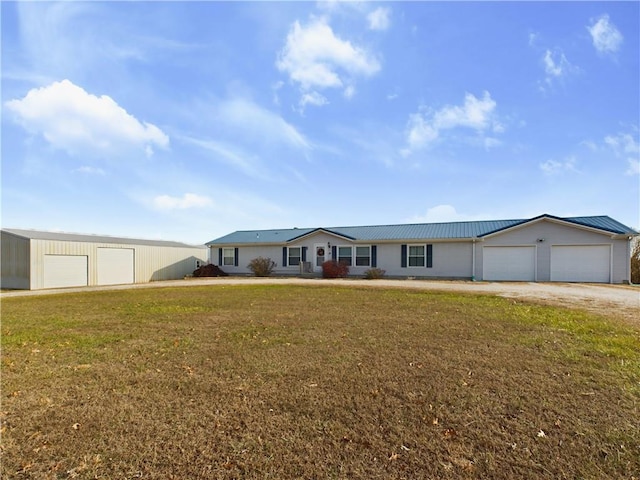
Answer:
x=540 y=249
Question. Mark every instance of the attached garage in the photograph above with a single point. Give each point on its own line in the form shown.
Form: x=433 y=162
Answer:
x=115 y=266
x=553 y=249
x=581 y=263
x=33 y=260
x=65 y=271
x=515 y=263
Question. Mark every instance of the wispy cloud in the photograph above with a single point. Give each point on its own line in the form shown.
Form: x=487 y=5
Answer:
x=315 y=58
x=248 y=137
x=442 y=214
x=554 y=167
x=312 y=98
x=258 y=124
x=626 y=145
x=71 y=119
x=556 y=68
x=230 y=155
x=379 y=19
x=87 y=170
x=424 y=128
x=606 y=38
x=188 y=200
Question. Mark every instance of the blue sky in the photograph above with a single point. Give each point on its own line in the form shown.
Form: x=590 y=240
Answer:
x=189 y=120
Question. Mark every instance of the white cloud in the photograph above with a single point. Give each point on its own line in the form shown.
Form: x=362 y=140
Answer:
x=349 y=92
x=188 y=200
x=623 y=143
x=228 y=154
x=257 y=123
x=379 y=18
x=626 y=145
x=71 y=119
x=554 y=167
x=476 y=114
x=249 y=138
x=442 y=214
x=605 y=36
x=312 y=98
x=90 y=170
x=633 y=166
x=556 y=67
x=315 y=58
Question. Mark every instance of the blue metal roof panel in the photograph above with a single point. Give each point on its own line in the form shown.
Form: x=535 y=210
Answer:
x=261 y=236
x=416 y=231
x=451 y=230
x=603 y=222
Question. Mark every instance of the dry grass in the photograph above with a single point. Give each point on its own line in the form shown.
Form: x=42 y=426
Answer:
x=277 y=382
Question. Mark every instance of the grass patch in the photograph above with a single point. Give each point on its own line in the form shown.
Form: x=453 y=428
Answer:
x=314 y=382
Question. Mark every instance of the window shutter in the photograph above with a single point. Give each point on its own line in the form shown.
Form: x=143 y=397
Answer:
x=403 y=256
x=284 y=256
x=429 y=256
x=220 y=257
x=374 y=256
x=304 y=254
x=334 y=253
x=235 y=256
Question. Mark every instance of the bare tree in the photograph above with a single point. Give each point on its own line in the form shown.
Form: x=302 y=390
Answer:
x=635 y=261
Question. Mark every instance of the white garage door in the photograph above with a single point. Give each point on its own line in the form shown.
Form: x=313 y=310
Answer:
x=115 y=266
x=580 y=263
x=65 y=271
x=509 y=263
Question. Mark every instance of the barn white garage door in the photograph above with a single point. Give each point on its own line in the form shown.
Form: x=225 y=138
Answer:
x=509 y=263
x=115 y=266
x=65 y=271
x=580 y=263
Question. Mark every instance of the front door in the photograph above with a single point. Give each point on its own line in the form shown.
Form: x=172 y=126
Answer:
x=321 y=255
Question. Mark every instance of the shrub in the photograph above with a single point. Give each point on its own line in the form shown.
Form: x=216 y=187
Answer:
x=374 y=273
x=209 y=271
x=262 y=267
x=334 y=269
x=635 y=262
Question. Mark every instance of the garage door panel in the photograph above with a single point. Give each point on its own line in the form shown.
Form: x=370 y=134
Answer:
x=509 y=263
x=115 y=266
x=580 y=263
x=65 y=271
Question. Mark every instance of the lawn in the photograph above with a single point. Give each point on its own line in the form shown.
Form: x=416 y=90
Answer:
x=282 y=382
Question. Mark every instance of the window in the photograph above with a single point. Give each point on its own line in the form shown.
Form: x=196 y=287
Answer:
x=295 y=254
x=344 y=255
x=416 y=256
x=228 y=256
x=363 y=256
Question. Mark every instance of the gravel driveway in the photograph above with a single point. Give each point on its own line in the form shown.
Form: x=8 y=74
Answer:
x=619 y=300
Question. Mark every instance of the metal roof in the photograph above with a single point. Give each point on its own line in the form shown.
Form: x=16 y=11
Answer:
x=76 y=237
x=417 y=231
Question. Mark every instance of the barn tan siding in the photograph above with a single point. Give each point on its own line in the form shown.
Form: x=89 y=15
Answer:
x=152 y=263
x=14 y=261
x=163 y=263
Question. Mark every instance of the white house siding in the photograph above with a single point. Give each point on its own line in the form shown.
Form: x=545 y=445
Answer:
x=14 y=261
x=246 y=253
x=450 y=259
x=546 y=233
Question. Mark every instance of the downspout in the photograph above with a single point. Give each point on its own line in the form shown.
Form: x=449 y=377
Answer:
x=473 y=260
x=628 y=266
